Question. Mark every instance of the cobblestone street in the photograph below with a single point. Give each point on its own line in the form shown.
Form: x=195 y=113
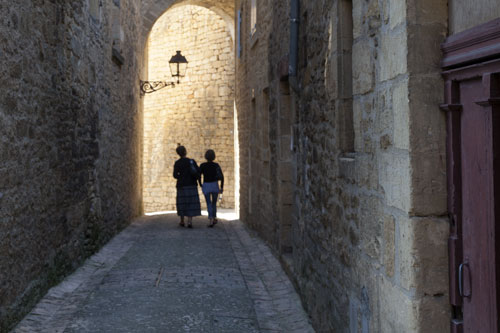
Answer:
x=158 y=277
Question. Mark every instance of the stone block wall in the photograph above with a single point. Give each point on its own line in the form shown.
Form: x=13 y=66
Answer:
x=466 y=14
x=342 y=167
x=257 y=122
x=197 y=113
x=70 y=139
x=350 y=187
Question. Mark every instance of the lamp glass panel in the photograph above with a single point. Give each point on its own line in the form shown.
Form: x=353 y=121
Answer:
x=182 y=69
x=173 y=69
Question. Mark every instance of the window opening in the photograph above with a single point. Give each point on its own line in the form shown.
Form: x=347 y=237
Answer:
x=344 y=47
x=95 y=9
x=239 y=34
x=253 y=18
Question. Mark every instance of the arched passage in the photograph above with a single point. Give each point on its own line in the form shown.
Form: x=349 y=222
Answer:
x=199 y=112
x=153 y=9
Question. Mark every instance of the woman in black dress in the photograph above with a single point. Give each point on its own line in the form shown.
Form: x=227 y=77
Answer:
x=212 y=174
x=186 y=172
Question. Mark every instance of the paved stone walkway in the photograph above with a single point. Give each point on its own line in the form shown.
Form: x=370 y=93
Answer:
x=158 y=277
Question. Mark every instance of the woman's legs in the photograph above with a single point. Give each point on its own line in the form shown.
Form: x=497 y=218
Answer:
x=214 y=196
x=209 y=205
x=210 y=210
x=212 y=207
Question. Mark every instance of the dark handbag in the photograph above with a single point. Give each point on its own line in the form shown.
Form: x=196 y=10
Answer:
x=193 y=169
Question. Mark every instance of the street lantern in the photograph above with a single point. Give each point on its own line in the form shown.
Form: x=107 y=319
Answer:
x=178 y=67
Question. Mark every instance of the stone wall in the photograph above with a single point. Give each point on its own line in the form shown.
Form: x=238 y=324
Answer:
x=198 y=112
x=256 y=129
x=151 y=10
x=70 y=139
x=343 y=166
x=466 y=14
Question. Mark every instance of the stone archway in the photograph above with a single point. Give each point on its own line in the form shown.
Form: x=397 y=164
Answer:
x=153 y=9
x=199 y=112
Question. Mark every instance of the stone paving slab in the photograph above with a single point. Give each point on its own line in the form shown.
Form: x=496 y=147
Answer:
x=158 y=277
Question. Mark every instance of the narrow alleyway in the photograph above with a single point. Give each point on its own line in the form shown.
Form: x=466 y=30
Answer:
x=158 y=277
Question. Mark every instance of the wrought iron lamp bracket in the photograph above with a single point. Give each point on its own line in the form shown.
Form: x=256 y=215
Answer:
x=148 y=87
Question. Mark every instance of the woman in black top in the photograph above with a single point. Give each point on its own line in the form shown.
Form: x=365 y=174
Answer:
x=212 y=174
x=187 y=174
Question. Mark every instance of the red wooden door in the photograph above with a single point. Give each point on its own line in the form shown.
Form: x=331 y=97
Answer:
x=472 y=73
x=477 y=272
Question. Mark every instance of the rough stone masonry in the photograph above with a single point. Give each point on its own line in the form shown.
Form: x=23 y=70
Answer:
x=343 y=166
x=70 y=139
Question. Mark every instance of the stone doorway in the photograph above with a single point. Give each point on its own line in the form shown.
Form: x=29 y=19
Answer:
x=199 y=112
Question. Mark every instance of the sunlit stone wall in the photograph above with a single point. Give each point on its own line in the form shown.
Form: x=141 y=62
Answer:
x=362 y=229
x=197 y=113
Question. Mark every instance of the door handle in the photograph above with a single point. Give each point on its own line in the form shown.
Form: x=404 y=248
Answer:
x=461 y=279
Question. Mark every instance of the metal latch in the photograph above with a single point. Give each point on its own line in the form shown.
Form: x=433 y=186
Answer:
x=461 y=279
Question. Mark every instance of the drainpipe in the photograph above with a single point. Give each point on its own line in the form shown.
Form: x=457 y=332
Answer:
x=294 y=37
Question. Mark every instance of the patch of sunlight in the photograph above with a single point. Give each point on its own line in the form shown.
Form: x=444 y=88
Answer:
x=161 y=213
x=222 y=213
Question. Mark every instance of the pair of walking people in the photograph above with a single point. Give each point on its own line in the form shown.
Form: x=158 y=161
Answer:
x=188 y=176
